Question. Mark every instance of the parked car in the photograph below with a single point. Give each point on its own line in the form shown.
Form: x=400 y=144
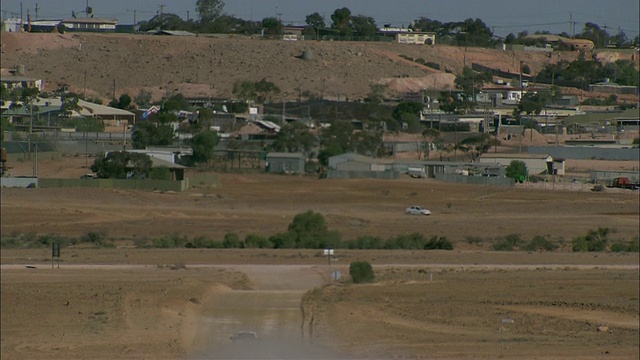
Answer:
x=244 y=336
x=417 y=210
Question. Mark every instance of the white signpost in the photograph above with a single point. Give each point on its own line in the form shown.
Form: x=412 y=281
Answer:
x=329 y=253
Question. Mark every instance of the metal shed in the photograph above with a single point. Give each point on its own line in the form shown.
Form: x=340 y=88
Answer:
x=536 y=163
x=285 y=162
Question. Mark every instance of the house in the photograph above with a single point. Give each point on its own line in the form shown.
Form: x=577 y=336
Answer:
x=285 y=163
x=90 y=24
x=17 y=79
x=51 y=107
x=537 y=164
x=420 y=38
x=12 y=25
x=608 y=87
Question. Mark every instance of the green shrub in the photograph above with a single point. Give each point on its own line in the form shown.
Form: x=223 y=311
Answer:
x=231 y=240
x=474 y=240
x=595 y=240
x=200 y=242
x=420 y=61
x=507 y=243
x=283 y=240
x=540 y=243
x=415 y=241
x=361 y=272
x=438 y=243
x=631 y=246
x=173 y=241
x=257 y=241
x=366 y=242
x=160 y=173
x=433 y=65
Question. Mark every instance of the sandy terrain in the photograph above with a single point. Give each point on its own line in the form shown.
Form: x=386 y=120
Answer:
x=208 y=67
x=185 y=303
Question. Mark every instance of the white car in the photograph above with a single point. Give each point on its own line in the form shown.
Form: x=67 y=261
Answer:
x=417 y=210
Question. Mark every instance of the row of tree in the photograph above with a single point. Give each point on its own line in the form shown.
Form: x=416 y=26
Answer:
x=470 y=32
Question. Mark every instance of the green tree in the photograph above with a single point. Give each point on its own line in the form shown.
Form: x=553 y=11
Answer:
x=363 y=25
x=122 y=165
x=203 y=144
x=316 y=21
x=260 y=91
x=143 y=99
x=69 y=105
x=516 y=170
x=471 y=82
x=430 y=136
x=294 y=137
x=176 y=102
x=327 y=152
x=124 y=102
x=361 y=272
x=309 y=230
x=409 y=112
x=146 y=133
x=376 y=95
x=477 y=145
x=209 y=10
x=342 y=21
x=272 y=26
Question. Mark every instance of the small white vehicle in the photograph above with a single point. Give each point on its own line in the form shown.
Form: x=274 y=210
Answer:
x=417 y=210
x=244 y=336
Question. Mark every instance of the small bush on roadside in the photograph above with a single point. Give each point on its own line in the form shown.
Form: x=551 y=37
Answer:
x=631 y=246
x=203 y=242
x=231 y=240
x=507 y=243
x=474 y=240
x=433 y=65
x=540 y=243
x=361 y=272
x=257 y=241
x=595 y=240
x=365 y=242
x=438 y=243
x=172 y=241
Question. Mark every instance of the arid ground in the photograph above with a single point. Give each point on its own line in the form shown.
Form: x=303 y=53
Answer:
x=133 y=303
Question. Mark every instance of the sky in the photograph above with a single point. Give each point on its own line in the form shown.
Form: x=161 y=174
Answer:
x=503 y=16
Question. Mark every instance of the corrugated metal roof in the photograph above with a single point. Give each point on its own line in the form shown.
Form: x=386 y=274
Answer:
x=285 y=155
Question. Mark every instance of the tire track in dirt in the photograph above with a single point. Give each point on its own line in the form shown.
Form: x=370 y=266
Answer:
x=271 y=308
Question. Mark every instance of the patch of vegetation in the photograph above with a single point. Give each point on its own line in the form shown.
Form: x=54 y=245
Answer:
x=507 y=243
x=433 y=65
x=31 y=240
x=540 y=243
x=406 y=57
x=631 y=246
x=361 y=272
x=595 y=240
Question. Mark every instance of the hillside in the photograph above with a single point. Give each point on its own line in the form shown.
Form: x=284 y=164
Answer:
x=208 y=66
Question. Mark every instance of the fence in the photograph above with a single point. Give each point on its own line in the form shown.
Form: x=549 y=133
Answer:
x=593 y=153
x=476 y=180
x=160 y=185
x=19 y=182
x=345 y=174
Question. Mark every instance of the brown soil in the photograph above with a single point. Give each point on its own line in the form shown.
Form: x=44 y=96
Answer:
x=185 y=303
x=208 y=67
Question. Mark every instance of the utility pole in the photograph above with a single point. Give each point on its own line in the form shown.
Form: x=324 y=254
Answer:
x=37 y=11
x=162 y=10
x=84 y=91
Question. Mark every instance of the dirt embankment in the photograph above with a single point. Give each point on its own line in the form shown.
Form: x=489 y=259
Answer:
x=208 y=67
